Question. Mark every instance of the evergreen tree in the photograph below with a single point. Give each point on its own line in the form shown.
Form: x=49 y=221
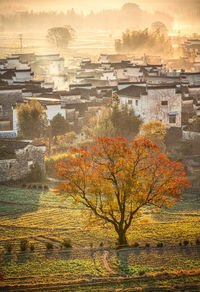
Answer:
x=59 y=125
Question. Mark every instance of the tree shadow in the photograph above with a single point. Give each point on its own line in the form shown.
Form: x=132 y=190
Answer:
x=65 y=253
x=16 y=202
x=123 y=259
x=160 y=250
x=6 y=259
x=23 y=257
x=136 y=251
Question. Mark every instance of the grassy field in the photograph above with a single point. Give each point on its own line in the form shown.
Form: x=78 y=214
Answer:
x=42 y=217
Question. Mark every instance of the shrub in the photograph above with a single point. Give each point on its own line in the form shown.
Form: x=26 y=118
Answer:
x=46 y=187
x=91 y=244
x=8 y=247
x=141 y=273
x=101 y=244
x=32 y=247
x=23 y=244
x=185 y=242
x=52 y=161
x=180 y=244
x=159 y=244
x=136 y=244
x=197 y=242
x=147 y=244
x=49 y=245
x=67 y=243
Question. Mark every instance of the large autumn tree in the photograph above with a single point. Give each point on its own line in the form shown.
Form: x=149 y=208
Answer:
x=115 y=180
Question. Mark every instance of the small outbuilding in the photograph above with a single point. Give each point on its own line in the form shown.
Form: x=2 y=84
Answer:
x=18 y=157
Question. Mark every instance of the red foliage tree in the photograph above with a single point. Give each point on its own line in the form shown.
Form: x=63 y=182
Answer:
x=115 y=180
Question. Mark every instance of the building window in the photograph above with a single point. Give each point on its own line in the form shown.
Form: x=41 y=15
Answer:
x=136 y=102
x=164 y=102
x=172 y=119
x=130 y=101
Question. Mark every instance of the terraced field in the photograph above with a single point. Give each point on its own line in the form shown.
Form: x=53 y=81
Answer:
x=42 y=217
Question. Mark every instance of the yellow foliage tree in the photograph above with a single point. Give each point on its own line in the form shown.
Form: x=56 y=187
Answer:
x=154 y=131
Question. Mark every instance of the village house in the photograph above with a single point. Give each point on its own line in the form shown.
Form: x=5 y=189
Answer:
x=9 y=97
x=191 y=47
x=162 y=103
x=193 y=78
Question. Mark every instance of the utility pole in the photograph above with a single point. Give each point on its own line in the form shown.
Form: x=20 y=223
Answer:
x=20 y=39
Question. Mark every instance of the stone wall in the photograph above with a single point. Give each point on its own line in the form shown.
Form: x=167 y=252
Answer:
x=189 y=135
x=15 y=169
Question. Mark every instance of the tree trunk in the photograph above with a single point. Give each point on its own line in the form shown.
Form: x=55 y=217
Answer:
x=122 y=241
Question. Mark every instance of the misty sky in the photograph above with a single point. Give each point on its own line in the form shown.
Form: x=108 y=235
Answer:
x=87 y=5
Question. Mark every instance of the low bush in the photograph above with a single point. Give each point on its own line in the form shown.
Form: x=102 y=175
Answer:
x=24 y=244
x=185 y=242
x=197 y=242
x=141 y=273
x=8 y=247
x=49 y=245
x=147 y=244
x=136 y=244
x=101 y=244
x=159 y=244
x=67 y=243
x=51 y=161
x=32 y=247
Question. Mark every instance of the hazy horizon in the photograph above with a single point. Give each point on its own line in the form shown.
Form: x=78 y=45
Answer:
x=86 y=6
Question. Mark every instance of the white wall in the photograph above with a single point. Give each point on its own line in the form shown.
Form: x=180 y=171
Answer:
x=134 y=103
x=22 y=76
x=53 y=110
x=187 y=135
x=152 y=109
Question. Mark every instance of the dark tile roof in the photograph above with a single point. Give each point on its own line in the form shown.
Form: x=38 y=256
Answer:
x=23 y=70
x=133 y=91
x=190 y=73
x=79 y=85
x=71 y=92
x=8 y=75
x=10 y=87
x=130 y=82
x=166 y=86
x=34 y=89
x=12 y=144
